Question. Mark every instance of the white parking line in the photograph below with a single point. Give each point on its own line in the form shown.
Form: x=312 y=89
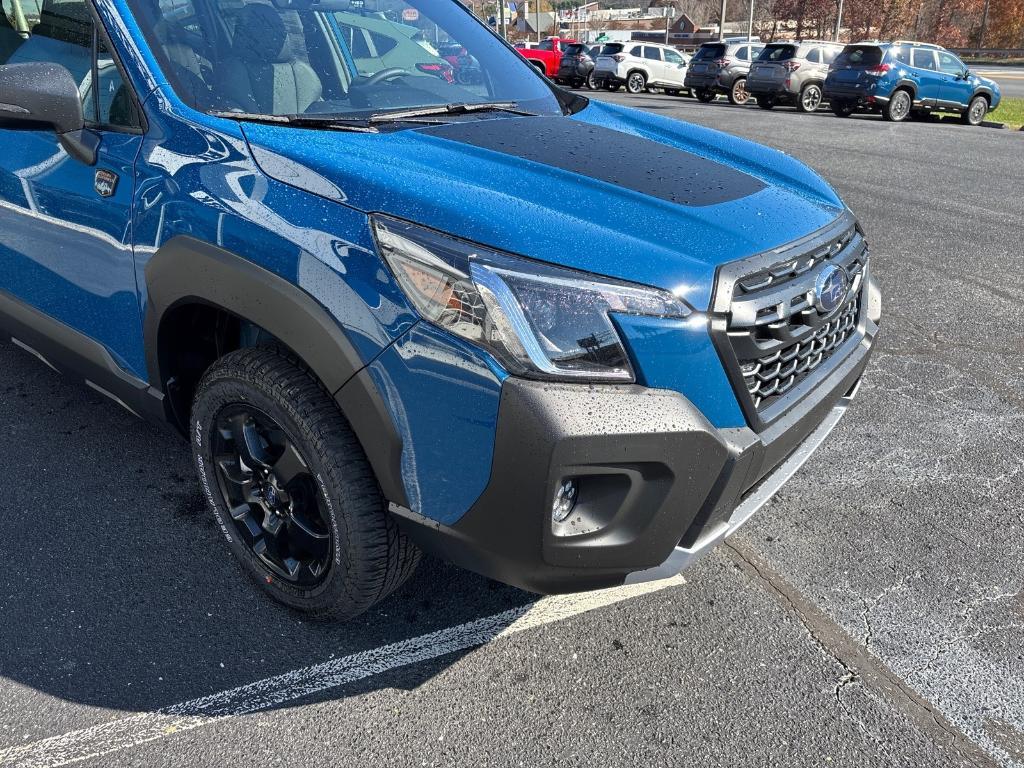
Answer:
x=132 y=731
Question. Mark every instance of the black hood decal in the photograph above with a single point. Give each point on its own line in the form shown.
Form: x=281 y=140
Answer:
x=600 y=153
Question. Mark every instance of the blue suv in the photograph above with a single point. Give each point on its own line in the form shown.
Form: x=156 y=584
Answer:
x=906 y=79
x=396 y=312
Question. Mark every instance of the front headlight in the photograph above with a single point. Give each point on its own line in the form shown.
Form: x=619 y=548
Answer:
x=537 y=320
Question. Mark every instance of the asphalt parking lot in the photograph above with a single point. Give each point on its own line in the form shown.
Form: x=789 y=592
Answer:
x=872 y=614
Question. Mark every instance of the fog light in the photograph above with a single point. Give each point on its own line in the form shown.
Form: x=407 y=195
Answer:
x=565 y=501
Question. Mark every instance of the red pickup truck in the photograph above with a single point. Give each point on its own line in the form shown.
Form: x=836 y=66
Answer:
x=548 y=54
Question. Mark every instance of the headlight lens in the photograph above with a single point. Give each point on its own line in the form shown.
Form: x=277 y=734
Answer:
x=538 y=320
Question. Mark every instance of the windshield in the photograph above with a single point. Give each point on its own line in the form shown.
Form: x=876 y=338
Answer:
x=349 y=58
x=709 y=52
x=777 y=53
x=860 y=56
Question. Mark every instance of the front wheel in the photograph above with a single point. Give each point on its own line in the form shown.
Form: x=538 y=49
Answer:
x=738 y=93
x=291 y=488
x=976 y=111
x=704 y=95
x=810 y=98
x=636 y=82
x=899 y=107
x=590 y=82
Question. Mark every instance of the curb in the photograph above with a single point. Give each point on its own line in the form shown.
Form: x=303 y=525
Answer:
x=991 y=124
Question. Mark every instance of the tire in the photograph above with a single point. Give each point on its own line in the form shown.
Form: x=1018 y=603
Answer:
x=610 y=86
x=329 y=514
x=841 y=108
x=738 y=92
x=975 y=112
x=590 y=83
x=900 y=105
x=671 y=92
x=636 y=82
x=765 y=102
x=704 y=95
x=810 y=98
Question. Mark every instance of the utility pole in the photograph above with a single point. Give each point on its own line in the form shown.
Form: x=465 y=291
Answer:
x=984 y=24
x=750 y=24
x=501 y=19
x=721 y=23
x=667 y=18
x=536 y=20
x=839 y=21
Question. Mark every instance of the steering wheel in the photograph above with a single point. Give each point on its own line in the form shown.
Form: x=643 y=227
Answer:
x=386 y=74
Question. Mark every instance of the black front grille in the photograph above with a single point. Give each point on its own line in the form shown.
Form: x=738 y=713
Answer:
x=769 y=377
x=775 y=340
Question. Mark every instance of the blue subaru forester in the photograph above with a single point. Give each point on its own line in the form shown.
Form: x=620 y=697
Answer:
x=905 y=80
x=371 y=297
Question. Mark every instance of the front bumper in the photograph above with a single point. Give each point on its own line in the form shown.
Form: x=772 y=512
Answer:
x=659 y=486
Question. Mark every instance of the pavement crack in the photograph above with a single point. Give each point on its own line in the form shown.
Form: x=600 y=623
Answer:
x=859 y=665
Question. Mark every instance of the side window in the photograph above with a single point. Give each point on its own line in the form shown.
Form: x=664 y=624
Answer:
x=814 y=55
x=382 y=43
x=546 y=45
x=635 y=51
x=900 y=55
x=64 y=33
x=743 y=53
x=923 y=58
x=673 y=58
x=652 y=53
x=828 y=55
x=950 y=64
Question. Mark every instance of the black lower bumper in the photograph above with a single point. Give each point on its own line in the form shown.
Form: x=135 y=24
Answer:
x=653 y=475
x=776 y=90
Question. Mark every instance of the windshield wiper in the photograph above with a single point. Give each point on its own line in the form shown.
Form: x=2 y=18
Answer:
x=449 y=109
x=359 y=125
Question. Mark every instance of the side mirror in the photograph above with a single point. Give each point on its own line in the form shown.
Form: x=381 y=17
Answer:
x=40 y=94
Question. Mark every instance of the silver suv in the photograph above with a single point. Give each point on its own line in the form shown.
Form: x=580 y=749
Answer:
x=722 y=67
x=792 y=73
x=640 y=65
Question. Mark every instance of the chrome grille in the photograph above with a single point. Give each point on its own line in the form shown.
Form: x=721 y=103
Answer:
x=777 y=335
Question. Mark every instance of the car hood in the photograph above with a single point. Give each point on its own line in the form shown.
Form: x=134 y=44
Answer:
x=610 y=190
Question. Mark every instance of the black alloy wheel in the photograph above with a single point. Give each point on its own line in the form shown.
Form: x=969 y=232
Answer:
x=271 y=495
x=704 y=95
x=291 y=488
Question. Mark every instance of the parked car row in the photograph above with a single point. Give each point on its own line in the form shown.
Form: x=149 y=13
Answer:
x=901 y=80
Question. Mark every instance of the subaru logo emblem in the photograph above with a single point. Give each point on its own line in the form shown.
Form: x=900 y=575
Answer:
x=830 y=288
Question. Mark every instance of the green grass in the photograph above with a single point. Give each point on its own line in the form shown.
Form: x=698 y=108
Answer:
x=1011 y=112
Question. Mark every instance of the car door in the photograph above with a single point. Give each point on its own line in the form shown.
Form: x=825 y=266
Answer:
x=675 y=67
x=66 y=227
x=653 y=64
x=957 y=89
x=926 y=75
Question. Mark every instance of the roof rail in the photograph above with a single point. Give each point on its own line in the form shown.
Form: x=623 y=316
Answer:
x=918 y=42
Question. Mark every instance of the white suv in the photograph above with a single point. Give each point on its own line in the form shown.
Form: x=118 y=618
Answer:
x=639 y=65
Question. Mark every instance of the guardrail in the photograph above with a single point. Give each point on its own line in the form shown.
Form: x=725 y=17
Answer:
x=993 y=53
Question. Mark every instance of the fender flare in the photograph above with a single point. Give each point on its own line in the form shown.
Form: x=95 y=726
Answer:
x=189 y=271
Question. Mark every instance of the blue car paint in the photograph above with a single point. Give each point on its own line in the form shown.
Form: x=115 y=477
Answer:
x=463 y=190
x=300 y=210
